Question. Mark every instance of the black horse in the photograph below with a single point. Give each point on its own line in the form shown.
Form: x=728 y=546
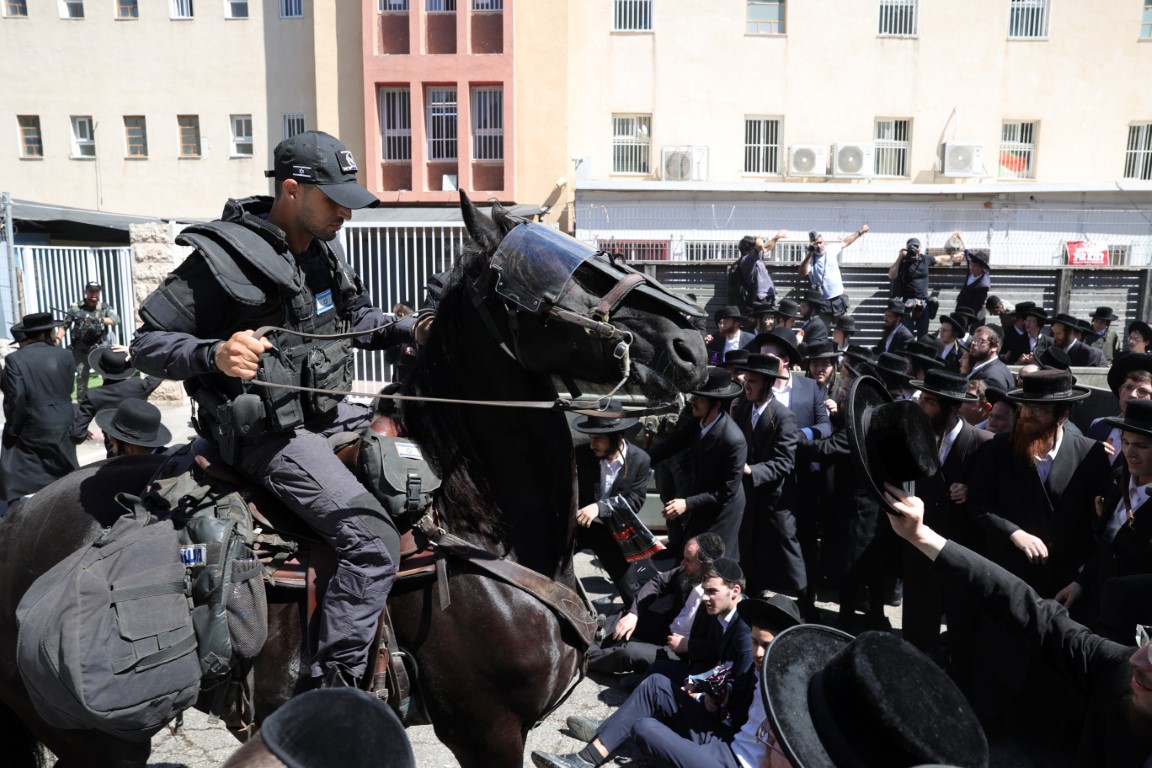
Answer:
x=496 y=660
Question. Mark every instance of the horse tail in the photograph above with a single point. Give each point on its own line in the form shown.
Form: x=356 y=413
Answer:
x=23 y=748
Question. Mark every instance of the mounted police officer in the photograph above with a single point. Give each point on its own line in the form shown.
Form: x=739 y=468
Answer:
x=276 y=262
x=90 y=322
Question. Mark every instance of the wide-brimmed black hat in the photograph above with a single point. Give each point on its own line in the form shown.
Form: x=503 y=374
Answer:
x=1053 y=356
x=965 y=315
x=765 y=365
x=135 y=421
x=775 y=614
x=606 y=425
x=1021 y=308
x=762 y=308
x=845 y=323
x=1123 y=366
x=1139 y=326
x=735 y=357
x=820 y=350
x=110 y=363
x=1066 y=320
x=890 y=368
x=994 y=395
x=1105 y=313
x=980 y=257
x=784 y=337
x=924 y=353
x=1137 y=418
x=787 y=308
x=1037 y=312
x=814 y=297
x=37 y=322
x=856 y=354
x=945 y=385
x=891 y=441
x=719 y=385
x=1048 y=386
x=896 y=306
x=875 y=700
x=728 y=313
x=959 y=326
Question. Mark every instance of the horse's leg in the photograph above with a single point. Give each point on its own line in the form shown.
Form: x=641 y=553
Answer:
x=21 y=747
x=276 y=671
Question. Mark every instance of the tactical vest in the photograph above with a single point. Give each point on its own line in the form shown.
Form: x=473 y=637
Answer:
x=227 y=248
x=88 y=327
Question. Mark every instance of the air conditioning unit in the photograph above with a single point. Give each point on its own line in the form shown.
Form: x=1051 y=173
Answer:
x=808 y=160
x=853 y=160
x=962 y=158
x=684 y=163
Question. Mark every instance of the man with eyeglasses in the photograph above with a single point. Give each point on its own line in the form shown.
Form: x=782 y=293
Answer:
x=1110 y=683
x=983 y=355
x=823 y=270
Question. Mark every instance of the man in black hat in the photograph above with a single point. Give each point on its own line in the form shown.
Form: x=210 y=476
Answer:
x=121 y=383
x=1001 y=411
x=729 y=335
x=1106 y=339
x=676 y=729
x=752 y=272
x=975 y=289
x=1015 y=341
x=842 y=331
x=1129 y=378
x=951 y=332
x=772 y=559
x=815 y=330
x=984 y=357
x=717 y=455
x=37 y=388
x=611 y=480
x=786 y=315
x=134 y=428
x=762 y=317
x=821 y=362
x=277 y=262
x=90 y=322
x=923 y=355
x=1035 y=322
x=896 y=335
x=1066 y=336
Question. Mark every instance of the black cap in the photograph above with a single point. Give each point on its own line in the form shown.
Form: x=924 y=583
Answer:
x=93 y=286
x=728 y=569
x=314 y=157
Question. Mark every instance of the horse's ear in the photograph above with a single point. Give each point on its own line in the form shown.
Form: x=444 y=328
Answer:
x=481 y=229
x=504 y=220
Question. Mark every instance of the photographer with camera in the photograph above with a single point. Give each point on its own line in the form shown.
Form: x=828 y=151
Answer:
x=909 y=274
x=90 y=321
x=823 y=270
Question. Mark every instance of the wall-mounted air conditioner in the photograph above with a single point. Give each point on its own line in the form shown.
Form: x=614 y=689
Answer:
x=684 y=163
x=853 y=160
x=808 y=160
x=962 y=158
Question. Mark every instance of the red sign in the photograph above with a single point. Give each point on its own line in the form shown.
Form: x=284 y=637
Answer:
x=1083 y=253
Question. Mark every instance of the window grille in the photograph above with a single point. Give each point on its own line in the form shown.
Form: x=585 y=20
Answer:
x=711 y=250
x=762 y=145
x=1118 y=255
x=291 y=9
x=83 y=137
x=441 y=6
x=293 y=124
x=71 y=9
x=765 y=17
x=488 y=123
x=631 y=143
x=127 y=9
x=442 y=128
x=631 y=15
x=242 y=136
x=31 y=140
x=636 y=250
x=386 y=6
x=1017 y=150
x=181 y=9
x=189 y=135
x=135 y=136
x=488 y=5
x=1028 y=19
x=898 y=18
x=789 y=252
x=892 y=144
x=395 y=125
x=1138 y=163
x=237 y=9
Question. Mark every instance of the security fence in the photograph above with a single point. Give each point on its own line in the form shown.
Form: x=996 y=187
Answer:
x=54 y=277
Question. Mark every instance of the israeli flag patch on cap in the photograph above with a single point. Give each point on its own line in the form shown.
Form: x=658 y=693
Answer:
x=347 y=162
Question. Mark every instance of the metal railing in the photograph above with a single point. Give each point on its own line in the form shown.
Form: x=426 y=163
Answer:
x=632 y=15
x=54 y=277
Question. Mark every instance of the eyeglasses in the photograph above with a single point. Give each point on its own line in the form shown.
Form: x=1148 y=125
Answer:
x=765 y=736
x=980 y=342
x=1143 y=640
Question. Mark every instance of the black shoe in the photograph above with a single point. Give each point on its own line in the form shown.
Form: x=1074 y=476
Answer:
x=546 y=760
x=583 y=728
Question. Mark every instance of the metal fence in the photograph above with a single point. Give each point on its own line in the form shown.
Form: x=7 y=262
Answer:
x=54 y=277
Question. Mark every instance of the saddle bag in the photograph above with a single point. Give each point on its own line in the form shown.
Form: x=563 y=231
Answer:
x=396 y=473
x=105 y=636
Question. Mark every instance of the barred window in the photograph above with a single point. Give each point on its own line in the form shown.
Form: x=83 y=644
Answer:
x=1118 y=255
x=293 y=124
x=31 y=140
x=71 y=9
x=631 y=143
x=762 y=145
x=636 y=250
x=83 y=137
x=16 y=9
x=182 y=9
x=189 y=126
x=236 y=9
x=242 y=136
x=441 y=6
x=1028 y=19
x=1146 y=21
x=898 y=18
x=291 y=9
x=1138 y=162
x=711 y=250
x=442 y=128
x=395 y=125
x=487 y=5
x=127 y=9
x=393 y=5
x=892 y=145
x=488 y=123
x=1017 y=150
x=135 y=136
x=765 y=17
x=631 y=15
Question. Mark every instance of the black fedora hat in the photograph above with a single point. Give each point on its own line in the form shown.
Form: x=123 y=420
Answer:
x=1068 y=321
x=820 y=350
x=856 y=354
x=719 y=385
x=1087 y=332
x=814 y=297
x=845 y=323
x=1048 y=386
x=110 y=363
x=980 y=257
x=1105 y=313
x=762 y=308
x=1053 y=357
x=735 y=357
x=1137 y=418
x=787 y=308
x=1123 y=366
x=606 y=425
x=1020 y=308
x=765 y=365
x=958 y=324
x=965 y=315
x=892 y=369
x=945 y=385
x=924 y=353
x=994 y=395
x=135 y=421
x=728 y=313
x=875 y=700
x=891 y=441
x=775 y=614
x=37 y=322
x=1139 y=326
x=783 y=337
x=895 y=306
x=1037 y=312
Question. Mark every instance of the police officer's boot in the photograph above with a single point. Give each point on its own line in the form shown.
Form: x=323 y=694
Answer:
x=338 y=676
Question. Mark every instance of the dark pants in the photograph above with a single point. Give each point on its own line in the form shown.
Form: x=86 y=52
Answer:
x=299 y=468
x=80 y=361
x=669 y=725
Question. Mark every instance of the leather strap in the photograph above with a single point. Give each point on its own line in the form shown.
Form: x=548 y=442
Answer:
x=613 y=298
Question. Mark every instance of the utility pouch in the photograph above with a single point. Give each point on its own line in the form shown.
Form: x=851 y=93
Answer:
x=328 y=366
x=282 y=406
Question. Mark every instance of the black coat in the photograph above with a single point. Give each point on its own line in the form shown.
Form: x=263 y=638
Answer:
x=1013 y=345
x=815 y=330
x=901 y=337
x=37 y=387
x=1083 y=354
x=973 y=295
x=715 y=500
x=631 y=481
x=1129 y=552
x=109 y=395
x=1006 y=495
x=996 y=374
x=716 y=346
x=708 y=646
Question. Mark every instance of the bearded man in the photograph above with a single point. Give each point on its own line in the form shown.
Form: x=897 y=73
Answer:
x=984 y=358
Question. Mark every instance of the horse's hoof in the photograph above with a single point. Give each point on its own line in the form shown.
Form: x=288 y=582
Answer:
x=583 y=728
